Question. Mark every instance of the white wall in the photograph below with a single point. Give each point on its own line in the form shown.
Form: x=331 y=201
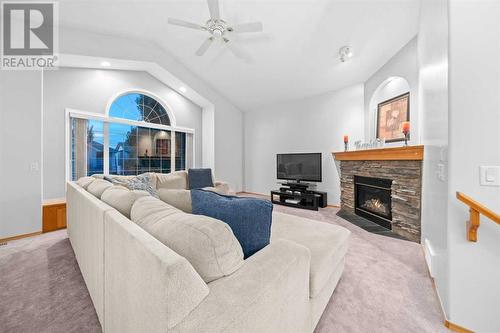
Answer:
x=90 y=90
x=379 y=88
x=474 y=140
x=21 y=206
x=228 y=119
x=433 y=111
x=20 y=153
x=314 y=124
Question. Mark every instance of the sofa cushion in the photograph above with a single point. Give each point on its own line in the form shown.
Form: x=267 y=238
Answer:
x=200 y=178
x=327 y=243
x=249 y=218
x=98 y=186
x=208 y=244
x=180 y=199
x=85 y=181
x=173 y=181
x=121 y=198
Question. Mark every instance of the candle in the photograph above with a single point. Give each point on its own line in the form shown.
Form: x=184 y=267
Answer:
x=406 y=127
x=346 y=138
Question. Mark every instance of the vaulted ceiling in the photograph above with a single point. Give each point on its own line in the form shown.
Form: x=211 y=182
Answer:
x=296 y=56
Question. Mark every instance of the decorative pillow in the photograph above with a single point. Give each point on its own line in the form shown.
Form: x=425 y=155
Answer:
x=121 y=198
x=142 y=182
x=249 y=218
x=173 y=181
x=208 y=244
x=200 y=178
x=98 y=186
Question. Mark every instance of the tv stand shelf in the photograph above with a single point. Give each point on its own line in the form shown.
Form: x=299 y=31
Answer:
x=305 y=199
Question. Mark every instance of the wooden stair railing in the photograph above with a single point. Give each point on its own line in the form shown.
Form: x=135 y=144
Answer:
x=476 y=210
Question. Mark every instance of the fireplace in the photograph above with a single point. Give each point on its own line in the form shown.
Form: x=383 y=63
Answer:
x=372 y=198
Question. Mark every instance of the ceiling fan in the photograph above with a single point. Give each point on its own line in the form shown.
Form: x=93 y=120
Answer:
x=219 y=30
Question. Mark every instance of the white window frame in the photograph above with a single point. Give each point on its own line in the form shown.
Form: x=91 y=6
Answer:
x=73 y=113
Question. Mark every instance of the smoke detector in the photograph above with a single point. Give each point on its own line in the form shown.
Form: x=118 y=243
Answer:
x=345 y=52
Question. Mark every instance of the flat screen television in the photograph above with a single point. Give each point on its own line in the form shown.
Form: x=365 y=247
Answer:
x=303 y=166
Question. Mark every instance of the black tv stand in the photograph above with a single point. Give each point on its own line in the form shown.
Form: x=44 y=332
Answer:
x=297 y=186
x=298 y=195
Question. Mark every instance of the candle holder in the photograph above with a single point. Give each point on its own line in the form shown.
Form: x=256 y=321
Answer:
x=406 y=138
x=346 y=146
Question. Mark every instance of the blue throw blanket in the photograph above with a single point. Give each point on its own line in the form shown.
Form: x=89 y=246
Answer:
x=249 y=218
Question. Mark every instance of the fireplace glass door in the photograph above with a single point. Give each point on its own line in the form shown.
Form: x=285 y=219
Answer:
x=373 y=199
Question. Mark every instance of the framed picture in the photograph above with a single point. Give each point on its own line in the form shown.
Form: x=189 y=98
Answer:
x=163 y=147
x=390 y=117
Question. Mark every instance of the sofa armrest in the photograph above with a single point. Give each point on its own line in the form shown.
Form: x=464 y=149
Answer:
x=221 y=187
x=269 y=293
x=148 y=287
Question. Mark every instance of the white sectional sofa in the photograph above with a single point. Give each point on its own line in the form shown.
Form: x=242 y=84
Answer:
x=138 y=284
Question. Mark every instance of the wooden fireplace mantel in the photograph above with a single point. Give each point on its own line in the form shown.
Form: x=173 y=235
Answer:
x=410 y=153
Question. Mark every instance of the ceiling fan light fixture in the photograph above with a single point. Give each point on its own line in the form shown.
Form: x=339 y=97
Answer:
x=345 y=53
x=219 y=30
x=217 y=33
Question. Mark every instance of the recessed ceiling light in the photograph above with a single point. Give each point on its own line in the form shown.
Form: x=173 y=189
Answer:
x=183 y=89
x=105 y=64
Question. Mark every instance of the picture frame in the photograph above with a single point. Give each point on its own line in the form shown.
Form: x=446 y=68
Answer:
x=390 y=116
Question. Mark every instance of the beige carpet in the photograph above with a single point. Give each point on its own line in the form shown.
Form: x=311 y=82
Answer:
x=385 y=286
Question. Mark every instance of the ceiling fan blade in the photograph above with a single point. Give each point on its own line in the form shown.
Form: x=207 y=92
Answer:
x=248 y=27
x=204 y=47
x=238 y=52
x=213 y=7
x=185 y=24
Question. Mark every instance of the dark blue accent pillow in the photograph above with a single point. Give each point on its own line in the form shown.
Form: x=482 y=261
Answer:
x=249 y=218
x=200 y=178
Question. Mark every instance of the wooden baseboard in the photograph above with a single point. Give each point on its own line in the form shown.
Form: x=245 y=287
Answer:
x=456 y=328
x=8 y=239
x=253 y=193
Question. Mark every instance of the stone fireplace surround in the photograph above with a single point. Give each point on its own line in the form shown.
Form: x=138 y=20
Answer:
x=404 y=166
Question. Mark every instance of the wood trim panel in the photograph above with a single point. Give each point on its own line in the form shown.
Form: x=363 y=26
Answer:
x=410 y=153
x=54 y=215
x=456 y=328
x=8 y=239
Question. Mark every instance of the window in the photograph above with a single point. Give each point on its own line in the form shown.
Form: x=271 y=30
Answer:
x=180 y=151
x=137 y=137
x=139 y=107
x=87 y=147
x=95 y=147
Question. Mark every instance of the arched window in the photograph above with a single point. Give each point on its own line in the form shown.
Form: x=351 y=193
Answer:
x=137 y=135
x=139 y=107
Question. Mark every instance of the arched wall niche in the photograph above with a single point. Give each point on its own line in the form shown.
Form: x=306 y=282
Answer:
x=389 y=88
